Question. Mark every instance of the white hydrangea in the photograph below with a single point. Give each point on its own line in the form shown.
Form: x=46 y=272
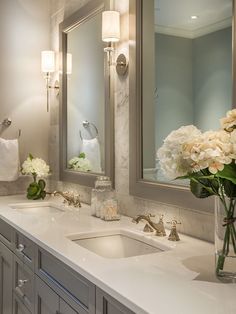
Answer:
x=212 y=150
x=228 y=123
x=80 y=164
x=35 y=166
x=170 y=154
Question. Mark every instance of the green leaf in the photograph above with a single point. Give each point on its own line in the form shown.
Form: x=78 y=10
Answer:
x=229 y=173
x=31 y=156
x=199 y=190
x=32 y=189
x=43 y=194
x=82 y=155
x=42 y=184
x=229 y=188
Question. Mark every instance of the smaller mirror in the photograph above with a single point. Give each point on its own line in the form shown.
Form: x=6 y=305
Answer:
x=86 y=106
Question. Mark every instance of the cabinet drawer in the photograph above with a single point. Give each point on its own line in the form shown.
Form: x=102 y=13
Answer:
x=6 y=233
x=25 y=249
x=19 y=307
x=23 y=285
x=72 y=287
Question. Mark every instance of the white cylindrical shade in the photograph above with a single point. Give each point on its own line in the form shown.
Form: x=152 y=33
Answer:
x=48 y=61
x=110 y=26
x=69 y=63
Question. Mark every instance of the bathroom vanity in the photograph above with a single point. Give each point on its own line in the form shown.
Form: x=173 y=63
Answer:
x=44 y=270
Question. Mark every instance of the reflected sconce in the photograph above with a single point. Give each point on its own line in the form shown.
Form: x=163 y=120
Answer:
x=48 y=67
x=111 y=35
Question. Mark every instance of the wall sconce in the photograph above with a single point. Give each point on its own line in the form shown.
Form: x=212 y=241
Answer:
x=48 y=67
x=110 y=35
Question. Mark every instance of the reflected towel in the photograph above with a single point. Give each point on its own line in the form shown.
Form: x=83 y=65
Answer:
x=9 y=160
x=91 y=148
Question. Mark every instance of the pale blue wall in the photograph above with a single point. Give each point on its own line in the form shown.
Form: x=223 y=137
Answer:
x=193 y=80
x=174 y=84
x=212 y=80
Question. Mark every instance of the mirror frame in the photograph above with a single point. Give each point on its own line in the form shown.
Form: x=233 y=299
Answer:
x=84 y=178
x=163 y=193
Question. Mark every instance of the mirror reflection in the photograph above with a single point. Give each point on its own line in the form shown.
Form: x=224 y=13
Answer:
x=186 y=72
x=85 y=96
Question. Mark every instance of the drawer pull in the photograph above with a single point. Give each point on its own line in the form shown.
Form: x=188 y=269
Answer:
x=22 y=282
x=20 y=248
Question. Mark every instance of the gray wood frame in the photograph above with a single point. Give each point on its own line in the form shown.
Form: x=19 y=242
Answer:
x=165 y=193
x=87 y=179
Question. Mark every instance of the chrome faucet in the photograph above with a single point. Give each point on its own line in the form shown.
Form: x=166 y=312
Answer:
x=70 y=198
x=157 y=227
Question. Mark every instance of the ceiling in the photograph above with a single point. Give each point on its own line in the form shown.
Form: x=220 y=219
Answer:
x=173 y=17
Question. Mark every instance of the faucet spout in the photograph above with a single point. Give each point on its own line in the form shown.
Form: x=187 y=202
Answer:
x=70 y=198
x=158 y=227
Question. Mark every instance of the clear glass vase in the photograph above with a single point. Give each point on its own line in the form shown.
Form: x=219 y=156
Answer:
x=225 y=238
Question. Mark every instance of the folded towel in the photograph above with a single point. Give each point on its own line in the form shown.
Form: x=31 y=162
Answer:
x=9 y=160
x=91 y=148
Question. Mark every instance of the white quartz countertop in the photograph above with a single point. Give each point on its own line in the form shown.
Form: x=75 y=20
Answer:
x=180 y=280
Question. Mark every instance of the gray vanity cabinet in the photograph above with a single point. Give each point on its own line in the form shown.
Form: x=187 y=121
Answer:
x=6 y=279
x=34 y=281
x=105 y=304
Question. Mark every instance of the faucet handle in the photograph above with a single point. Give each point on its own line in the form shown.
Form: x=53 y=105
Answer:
x=151 y=215
x=174 y=236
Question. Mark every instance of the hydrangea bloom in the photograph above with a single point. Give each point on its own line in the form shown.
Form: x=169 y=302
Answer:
x=212 y=150
x=35 y=167
x=80 y=164
x=228 y=123
x=172 y=162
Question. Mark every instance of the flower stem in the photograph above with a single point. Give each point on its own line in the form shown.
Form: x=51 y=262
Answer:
x=230 y=232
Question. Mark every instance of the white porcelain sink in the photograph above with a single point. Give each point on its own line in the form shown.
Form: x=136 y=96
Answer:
x=118 y=243
x=37 y=208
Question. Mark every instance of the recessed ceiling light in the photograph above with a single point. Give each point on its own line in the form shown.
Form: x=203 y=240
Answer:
x=194 y=17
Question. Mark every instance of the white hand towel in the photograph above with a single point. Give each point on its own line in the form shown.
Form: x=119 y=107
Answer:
x=9 y=160
x=91 y=148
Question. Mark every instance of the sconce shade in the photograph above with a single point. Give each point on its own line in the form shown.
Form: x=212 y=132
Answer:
x=110 y=26
x=69 y=63
x=48 y=61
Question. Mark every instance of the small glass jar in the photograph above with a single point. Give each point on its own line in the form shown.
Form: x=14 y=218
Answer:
x=100 y=194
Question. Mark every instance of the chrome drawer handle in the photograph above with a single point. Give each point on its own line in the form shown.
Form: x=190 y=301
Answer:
x=20 y=248
x=22 y=282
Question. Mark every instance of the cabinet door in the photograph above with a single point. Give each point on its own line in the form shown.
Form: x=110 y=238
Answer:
x=105 y=304
x=18 y=306
x=46 y=300
x=6 y=279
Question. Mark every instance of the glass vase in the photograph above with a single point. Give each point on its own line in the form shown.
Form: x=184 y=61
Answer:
x=225 y=238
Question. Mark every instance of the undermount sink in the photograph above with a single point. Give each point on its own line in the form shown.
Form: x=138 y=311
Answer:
x=37 y=208
x=118 y=243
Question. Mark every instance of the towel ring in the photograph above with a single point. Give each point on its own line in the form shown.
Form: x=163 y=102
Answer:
x=6 y=122
x=86 y=125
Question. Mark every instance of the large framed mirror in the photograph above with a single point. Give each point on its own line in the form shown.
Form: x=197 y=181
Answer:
x=86 y=101
x=182 y=73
